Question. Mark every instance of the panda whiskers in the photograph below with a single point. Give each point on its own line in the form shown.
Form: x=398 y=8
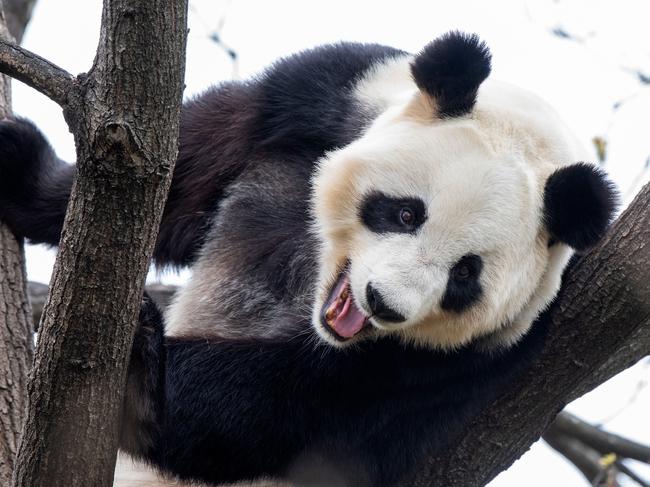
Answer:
x=313 y=344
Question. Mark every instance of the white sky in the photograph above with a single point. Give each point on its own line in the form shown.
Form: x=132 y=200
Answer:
x=582 y=80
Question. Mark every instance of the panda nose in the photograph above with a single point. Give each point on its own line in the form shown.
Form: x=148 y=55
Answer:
x=379 y=308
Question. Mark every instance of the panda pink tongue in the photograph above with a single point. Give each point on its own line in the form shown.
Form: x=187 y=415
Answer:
x=349 y=320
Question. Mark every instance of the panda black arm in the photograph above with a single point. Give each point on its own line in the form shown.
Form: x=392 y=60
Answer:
x=34 y=183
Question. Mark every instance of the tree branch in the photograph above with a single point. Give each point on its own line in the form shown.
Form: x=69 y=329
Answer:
x=585 y=458
x=602 y=441
x=599 y=325
x=586 y=446
x=628 y=471
x=34 y=71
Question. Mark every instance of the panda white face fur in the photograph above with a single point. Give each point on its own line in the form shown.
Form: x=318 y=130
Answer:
x=440 y=224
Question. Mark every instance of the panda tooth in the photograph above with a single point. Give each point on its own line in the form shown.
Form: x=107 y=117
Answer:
x=345 y=293
x=330 y=315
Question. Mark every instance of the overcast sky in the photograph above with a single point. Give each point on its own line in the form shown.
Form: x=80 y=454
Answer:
x=584 y=57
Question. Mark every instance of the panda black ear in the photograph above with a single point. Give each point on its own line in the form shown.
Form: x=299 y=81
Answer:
x=579 y=205
x=450 y=69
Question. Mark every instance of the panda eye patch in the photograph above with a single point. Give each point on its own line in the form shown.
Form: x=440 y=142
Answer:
x=387 y=214
x=463 y=286
x=469 y=266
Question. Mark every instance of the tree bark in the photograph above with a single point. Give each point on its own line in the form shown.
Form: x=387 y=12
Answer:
x=162 y=294
x=16 y=344
x=124 y=115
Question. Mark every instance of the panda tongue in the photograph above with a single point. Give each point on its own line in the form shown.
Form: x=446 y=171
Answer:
x=350 y=320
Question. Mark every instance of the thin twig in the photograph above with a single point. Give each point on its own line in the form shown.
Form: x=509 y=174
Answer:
x=601 y=440
x=42 y=75
x=630 y=473
x=585 y=458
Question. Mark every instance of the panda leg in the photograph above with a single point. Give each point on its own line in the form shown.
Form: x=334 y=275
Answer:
x=143 y=403
x=34 y=184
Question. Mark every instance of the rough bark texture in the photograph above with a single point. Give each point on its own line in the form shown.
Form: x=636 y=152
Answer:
x=160 y=293
x=600 y=326
x=16 y=350
x=124 y=115
x=16 y=345
x=40 y=74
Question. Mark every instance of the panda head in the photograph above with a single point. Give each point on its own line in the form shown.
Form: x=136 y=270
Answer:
x=452 y=217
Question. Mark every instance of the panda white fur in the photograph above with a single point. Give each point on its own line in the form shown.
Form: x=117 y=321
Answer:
x=372 y=235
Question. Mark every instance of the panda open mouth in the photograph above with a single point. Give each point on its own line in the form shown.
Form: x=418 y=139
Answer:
x=340 y=314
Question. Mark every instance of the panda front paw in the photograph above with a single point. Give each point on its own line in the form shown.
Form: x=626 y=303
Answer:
x=26 y=160
x=34 y=184
x=24 y=152
x=150 y=331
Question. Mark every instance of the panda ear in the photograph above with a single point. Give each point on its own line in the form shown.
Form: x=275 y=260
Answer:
x=579 y=205
x=450 y=69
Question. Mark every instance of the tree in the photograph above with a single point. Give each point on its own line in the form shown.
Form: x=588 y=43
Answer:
x=124 y=114
x=16 y=345
x=600 y=323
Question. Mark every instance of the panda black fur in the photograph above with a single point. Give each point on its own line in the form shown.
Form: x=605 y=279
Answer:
x=242 y=386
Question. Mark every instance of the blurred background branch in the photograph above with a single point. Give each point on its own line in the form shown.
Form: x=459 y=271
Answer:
x=599 y=455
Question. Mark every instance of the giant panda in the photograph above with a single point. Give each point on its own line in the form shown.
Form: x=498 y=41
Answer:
x=374 y=237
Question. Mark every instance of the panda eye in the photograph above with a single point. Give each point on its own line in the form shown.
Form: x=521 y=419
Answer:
x=462 y=272
x=468 y=267
x=463 y=287
x=381 y=213
x=406 y=216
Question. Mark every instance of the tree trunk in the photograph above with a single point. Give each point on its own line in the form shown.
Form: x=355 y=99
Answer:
x=16 y=343
x=124 y=115
x=162 y=294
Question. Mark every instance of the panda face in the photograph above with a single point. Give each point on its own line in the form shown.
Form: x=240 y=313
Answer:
x=428 y=231
x=451 y=218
